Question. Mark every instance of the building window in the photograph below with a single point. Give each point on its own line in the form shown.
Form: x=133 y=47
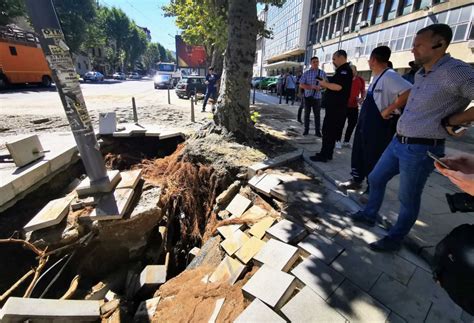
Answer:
x=380 y=10
x=370 y=11
x=459 y=20
x=407 y=6
x=393 y=9
x=13 y=51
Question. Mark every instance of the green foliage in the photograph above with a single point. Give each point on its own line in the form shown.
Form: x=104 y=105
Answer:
x=10 y=9
x=254 y=116
x=135 y=44
x=151 y=56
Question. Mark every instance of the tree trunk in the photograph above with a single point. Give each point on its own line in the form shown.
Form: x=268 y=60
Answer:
x=217 y=60
x=233 y=112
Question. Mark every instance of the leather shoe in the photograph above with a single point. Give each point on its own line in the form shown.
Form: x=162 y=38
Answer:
x=385 y=244
x=351 y=185
x=319 y=158
x=362 y=218
x=318 y=134
x=305 y=133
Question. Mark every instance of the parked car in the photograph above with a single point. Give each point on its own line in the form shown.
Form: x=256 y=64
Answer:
x=269 y=83
x=134 y=76
x=119 y=76
x=256 y=81
x=191 y=85
x=93 y=76
x=162 y=81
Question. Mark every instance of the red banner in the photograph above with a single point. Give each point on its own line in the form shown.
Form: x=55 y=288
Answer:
x=188 y=55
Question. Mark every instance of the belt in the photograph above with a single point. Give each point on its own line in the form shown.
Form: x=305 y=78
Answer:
x=420 y=141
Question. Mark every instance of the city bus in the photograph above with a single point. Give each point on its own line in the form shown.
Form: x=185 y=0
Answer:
x=21 y=59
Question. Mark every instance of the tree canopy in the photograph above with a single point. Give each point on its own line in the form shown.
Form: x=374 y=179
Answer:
x=10 y=9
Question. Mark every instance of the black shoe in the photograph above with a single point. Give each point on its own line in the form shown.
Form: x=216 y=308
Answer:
x=318 y=134
x=319 y=158
x=351 y=185
x=203 y=110
x=299 y=120
x=385 y=244
x=360 y=217
x=305 y=133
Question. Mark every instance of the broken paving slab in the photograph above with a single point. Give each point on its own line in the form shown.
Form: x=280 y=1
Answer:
x=146 y=310
x=307 y=306
x=85 y=188
x=271 y=286
x=129 y=179
x=52 y=214
x=259 y=229
x=255 y=179
x=287 y=231
x=321 y=247
x=255 y=213
x=152 y=276
x=18 y=309
x=277 y=254
x=234 y=242
x=318 y=276
x=25 y=149
x=227 y=230
x=112 y=206
x=274 y=162
x=229 y=270
x=238 y=205
x=266 y=184
x=257 y=311
x=249 y=249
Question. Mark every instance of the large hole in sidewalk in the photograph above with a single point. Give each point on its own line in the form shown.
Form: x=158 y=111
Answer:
x=186 y=202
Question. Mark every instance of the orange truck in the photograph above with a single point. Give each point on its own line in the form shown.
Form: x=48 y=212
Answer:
x=21 y=59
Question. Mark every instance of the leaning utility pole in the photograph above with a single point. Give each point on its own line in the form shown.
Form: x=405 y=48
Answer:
x=47 y=27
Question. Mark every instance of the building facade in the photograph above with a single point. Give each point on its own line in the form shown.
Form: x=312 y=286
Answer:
x=258 y=69
x=358 y=26
x=285 y=50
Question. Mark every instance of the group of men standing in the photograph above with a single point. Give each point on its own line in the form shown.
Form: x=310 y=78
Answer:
x=398 y=124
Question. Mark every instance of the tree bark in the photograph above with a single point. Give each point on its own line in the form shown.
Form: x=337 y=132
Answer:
x=233 y=111
x=217 y=60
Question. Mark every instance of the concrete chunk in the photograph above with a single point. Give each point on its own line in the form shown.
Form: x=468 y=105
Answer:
x=258 y=229
x=25 y=150
x=321 y=247
x=255 y=179
x=234 y=242
x=227 y=230
x=85 y=189
x=152 y=276
x=146 y=310
x=129 y=179
x=255 y=213
x=307 y=306
x=321 y=278
x=18 y=309
x=257 y=311
x=271 y=286
x=277 y=254
x=52 y=214
x=266 y=184
x=238 y=205
x=226 y=196
x=112 y=206
x=287 y=231
x=229 y=270
x=249 y=249
x=274 y=162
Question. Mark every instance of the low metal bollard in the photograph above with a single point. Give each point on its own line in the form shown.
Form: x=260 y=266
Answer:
x=169 y=98
x=134 y=108
x=253 y=100
x=192 y=108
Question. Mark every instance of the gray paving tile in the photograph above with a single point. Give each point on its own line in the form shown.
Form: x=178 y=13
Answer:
x=315 y=274
x=277 y=254
x=287 y=231
x=307 y=306
x=400 y=299
x=321 y=247
x=257 y=311
x=395 y=318
x=356 y=305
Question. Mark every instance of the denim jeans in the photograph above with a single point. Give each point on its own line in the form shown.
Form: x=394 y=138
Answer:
x=210 y=93
x=414 y=166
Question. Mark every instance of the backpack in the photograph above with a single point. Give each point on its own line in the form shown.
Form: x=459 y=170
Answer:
x=453 y=266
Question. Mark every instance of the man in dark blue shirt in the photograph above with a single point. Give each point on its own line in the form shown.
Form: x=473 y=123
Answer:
x=211 y=87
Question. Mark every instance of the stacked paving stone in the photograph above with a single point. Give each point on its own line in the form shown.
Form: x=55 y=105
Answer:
x=324 y=272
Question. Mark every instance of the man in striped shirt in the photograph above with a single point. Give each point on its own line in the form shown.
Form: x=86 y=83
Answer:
x=443 y=86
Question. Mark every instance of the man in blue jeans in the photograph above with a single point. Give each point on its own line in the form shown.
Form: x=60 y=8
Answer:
x=443 y=86
x=211 y=87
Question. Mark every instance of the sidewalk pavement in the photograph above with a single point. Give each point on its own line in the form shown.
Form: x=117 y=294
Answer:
x=435 y=220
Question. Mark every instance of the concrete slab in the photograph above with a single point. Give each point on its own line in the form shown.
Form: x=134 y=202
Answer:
x=146 y=310
x=25 y=150
x=130 y=130
x=112 y=206
x=356 y=305
x=321 y=247
x=255 y=179
x=129 y=178
x=271 y=286
x=249 y=249
x=52 y=214
x=107 y=123
x=307 y=306
x=255 y=213
x=229 y=271
x=259 y=229
x=274 y=162
x=280 y=193
x=257 y=311
x=217 y=310
x=18 y=309
x=152 y=276
x=287 y=231
x=85 y=189
x=400 y=299
x=171 y=133
x=277 y=254
x=238 y=205
x=227 y=230
x=234 y=242
x=266 y=184
x=321 y=278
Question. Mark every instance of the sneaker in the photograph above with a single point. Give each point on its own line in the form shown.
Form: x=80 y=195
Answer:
x=351 y=185
x=346 y=145
x=385 y=244
x=319 y=158
x=362 y=218
x=318 y=134
x=338 y=145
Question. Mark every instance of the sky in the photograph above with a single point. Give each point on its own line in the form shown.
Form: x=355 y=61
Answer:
x=148 y=13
